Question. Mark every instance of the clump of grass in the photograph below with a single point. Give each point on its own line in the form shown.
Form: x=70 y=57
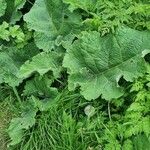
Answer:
x=6 y=115
x=4 y=119
x=62 y=127
x=9 y=108
x=67 y=126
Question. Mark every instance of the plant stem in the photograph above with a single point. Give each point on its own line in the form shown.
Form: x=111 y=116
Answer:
x=109 y=114
x=16 y=94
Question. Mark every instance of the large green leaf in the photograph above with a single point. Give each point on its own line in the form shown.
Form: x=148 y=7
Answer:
x=11 y=59
x=8 y=70
x=42 y=63
x=40 y=87
x=96 y=64
x=49 y=19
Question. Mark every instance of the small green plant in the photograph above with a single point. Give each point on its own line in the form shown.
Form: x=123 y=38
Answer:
x=15 y=34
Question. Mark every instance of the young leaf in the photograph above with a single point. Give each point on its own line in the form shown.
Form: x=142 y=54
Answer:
x=96 y=64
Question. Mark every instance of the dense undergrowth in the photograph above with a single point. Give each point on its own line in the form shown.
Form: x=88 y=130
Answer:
x=75 y=74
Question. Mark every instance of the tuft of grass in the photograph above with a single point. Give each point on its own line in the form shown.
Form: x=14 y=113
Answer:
x=67 y=126
x=61 y=127
x=5 y=117
x=8 y=109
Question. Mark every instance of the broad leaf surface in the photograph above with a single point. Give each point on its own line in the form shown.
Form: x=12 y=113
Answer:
x=40 y=87
x=42 y=63
x=8 y=70
x=96 y=64
x=10 y=61
x=50 y=19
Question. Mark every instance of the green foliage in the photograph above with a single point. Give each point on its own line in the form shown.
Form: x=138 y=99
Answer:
x=14 y=34
x=65 y=124
x=18 y=125
x=98 y=67
x=42 y=63
x=80 y=72
x=40 y=86
x=16 y=13
x=11 y=59
x=3 y=6
x=141 y=142
x=4 y=32
x=11 y=10
x=105 y=16
x=50 y=19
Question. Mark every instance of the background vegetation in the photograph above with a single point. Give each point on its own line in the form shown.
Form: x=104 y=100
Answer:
x=44 y=102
